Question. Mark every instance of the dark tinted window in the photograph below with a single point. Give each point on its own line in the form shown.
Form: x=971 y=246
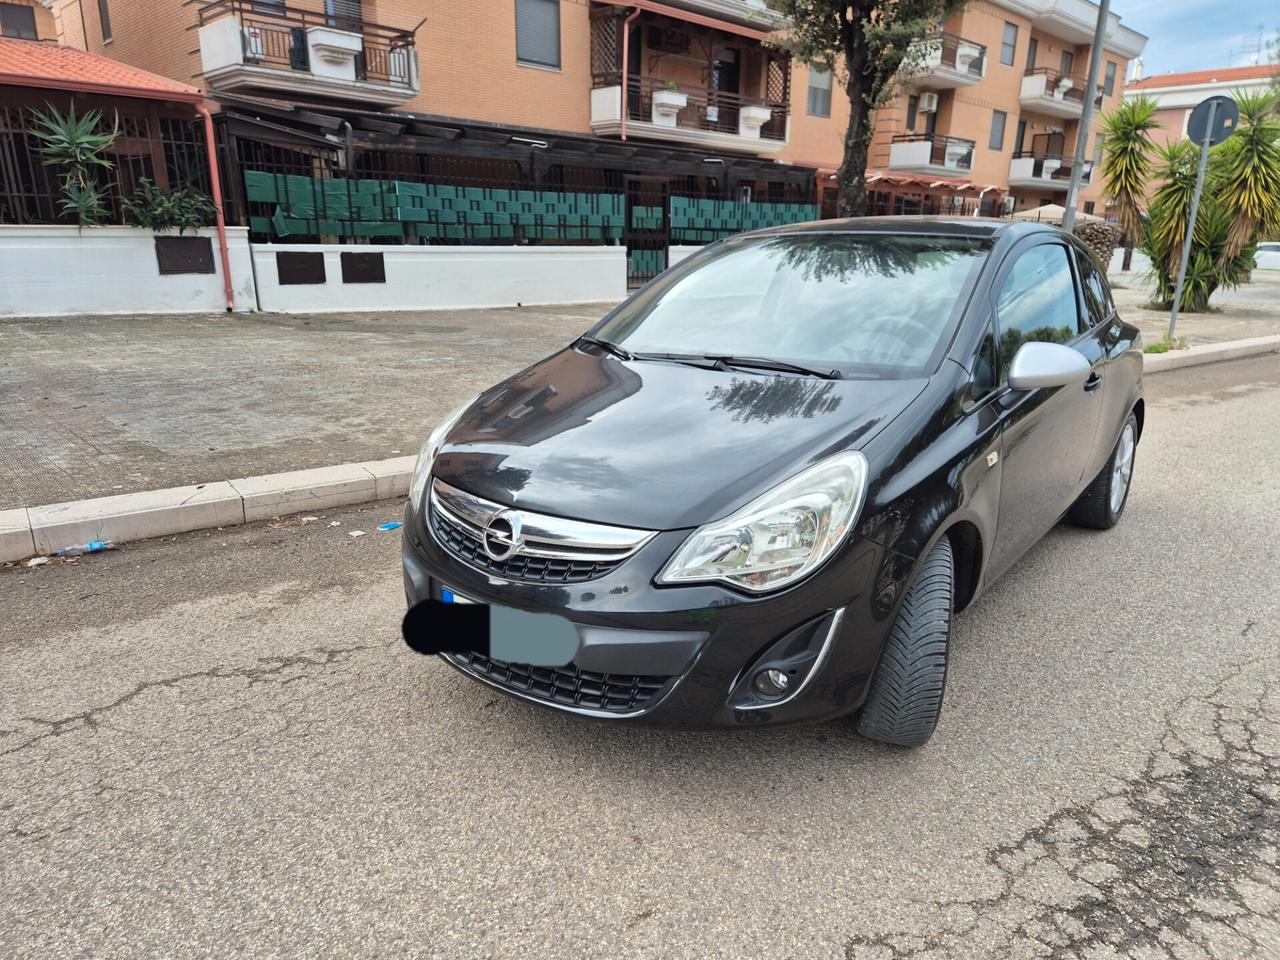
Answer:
x=1096 y=292
x=538 y=32
x=819 y=91
x=986 y=373
x=18 y=22
x=1037 y=301
x=861 y=303
x=996 y=140
x=1009 y=44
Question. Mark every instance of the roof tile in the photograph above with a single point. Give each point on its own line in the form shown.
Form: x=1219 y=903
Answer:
x=1192 y=77
x=30 y=63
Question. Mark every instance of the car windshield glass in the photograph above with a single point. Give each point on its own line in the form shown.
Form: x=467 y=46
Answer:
x=863 y=304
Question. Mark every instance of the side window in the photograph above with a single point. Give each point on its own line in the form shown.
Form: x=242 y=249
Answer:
x=985 y=369
x=1037 y=301
x=1096 y=292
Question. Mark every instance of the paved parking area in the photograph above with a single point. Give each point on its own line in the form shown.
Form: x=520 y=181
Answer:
x=217 y=747
x=99 y=405
x=1251 y=310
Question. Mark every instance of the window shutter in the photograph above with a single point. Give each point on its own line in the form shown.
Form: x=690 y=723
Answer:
x=538 y=32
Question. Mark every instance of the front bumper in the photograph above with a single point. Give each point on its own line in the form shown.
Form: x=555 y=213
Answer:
x=678 y=656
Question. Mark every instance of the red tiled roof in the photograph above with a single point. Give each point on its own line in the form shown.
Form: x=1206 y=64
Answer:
x=28 y=63
x=1193 y=77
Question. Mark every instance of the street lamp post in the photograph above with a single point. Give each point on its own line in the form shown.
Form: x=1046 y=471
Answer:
x=1086 y=116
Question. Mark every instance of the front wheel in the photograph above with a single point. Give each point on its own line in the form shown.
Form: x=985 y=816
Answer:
x=1103 y=501
x=906 y=691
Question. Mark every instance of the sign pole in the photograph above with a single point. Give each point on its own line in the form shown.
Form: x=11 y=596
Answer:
x=1086 y=116
x=1205 y=144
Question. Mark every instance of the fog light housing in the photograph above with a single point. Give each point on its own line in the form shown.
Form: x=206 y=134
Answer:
x=772 y=683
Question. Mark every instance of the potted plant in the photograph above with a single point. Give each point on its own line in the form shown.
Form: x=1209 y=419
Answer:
x=667 y=104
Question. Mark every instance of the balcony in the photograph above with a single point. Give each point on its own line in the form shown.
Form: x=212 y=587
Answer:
x=1055 y=94
x=660 y=78
x=950 y=61
x=1039 y=171
x=661 y=110
x=931 y=153
x=247 y=45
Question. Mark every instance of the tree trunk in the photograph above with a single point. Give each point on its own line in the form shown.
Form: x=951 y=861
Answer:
x=851 y=201
x=1128 y=255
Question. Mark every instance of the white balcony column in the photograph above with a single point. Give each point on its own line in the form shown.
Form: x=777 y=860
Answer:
x=667 y=105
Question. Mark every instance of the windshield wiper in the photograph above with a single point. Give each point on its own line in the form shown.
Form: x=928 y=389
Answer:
x=607 y=346
x=692 y=359
x=783 y=366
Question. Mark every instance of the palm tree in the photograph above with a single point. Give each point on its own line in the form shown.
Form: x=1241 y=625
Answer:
x=1126 y=164
x=1246 y=172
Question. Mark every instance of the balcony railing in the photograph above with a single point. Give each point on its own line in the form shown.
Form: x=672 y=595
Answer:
x=909 y=151
x=275 y=35
x=1054 y=169
x=698 y=108
x=957 y=53
x=1061 y=86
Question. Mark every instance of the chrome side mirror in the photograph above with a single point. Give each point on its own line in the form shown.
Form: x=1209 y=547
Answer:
x=1039 y=364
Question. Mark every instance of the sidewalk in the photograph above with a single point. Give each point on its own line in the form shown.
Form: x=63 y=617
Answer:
x=1252 y=310
x=96 y=406
x=100 y=406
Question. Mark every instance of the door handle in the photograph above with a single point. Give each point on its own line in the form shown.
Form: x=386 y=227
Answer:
x=1093 y=383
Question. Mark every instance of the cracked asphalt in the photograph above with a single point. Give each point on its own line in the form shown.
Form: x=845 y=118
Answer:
x=216 y=746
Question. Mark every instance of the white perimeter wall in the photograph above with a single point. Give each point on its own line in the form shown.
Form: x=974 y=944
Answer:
x=432 y=278
x=55 y=270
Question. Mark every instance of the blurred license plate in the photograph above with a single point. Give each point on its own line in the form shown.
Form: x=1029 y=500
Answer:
x=448 y=596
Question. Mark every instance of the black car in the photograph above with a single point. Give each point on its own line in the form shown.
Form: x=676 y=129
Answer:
x=761 y=486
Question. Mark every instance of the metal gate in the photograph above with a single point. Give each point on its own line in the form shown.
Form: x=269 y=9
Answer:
x=648 y=230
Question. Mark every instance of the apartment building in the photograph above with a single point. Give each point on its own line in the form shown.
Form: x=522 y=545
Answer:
x=1178 y=93
x=998 y=103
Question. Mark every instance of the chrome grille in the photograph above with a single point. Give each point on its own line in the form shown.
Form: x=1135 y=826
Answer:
x=550 y=549
x=568 y=686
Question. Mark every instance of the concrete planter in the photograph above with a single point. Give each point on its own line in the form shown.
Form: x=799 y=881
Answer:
x=667 y=105
x=751 y=119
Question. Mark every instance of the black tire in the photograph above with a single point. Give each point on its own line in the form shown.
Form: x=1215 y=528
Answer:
x=906 y=691
x=1097 y=507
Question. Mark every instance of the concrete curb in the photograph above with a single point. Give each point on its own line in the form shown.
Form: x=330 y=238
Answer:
x=1210 y=353
x=29 y=531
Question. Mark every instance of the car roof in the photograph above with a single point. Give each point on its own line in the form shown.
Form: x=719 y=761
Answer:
x=982 y=227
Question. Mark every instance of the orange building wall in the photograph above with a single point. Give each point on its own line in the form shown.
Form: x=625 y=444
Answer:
x=151 y=34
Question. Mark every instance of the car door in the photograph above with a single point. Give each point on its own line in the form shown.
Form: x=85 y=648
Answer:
x=1048 y=433
x=1107 y=335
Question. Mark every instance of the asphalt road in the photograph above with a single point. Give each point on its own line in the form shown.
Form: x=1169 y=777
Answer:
x=217 y=747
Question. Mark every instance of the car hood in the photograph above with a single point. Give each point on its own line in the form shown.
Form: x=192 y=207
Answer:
x=654 y=445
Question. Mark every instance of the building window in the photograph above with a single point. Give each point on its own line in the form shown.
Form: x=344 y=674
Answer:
x=998 y=118
x=104 y=19
x=1009 y=46
x=1099 y=141
x=913 y=106
x=1068 y=61
x=819 y=91
x=1088 y=207
x=1019 y=139
x=18 y=22
x=1033 y=47
x=538 y=32
x=1109 y=81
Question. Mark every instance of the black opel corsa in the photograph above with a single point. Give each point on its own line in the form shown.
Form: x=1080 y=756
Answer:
x=761 y=486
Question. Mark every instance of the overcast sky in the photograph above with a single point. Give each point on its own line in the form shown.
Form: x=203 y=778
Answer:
x=1199 y=34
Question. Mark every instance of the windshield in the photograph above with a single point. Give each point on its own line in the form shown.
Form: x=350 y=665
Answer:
x=864 y=304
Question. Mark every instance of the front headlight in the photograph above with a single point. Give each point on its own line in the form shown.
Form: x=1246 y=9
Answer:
x=781 y=536
x=427 y=455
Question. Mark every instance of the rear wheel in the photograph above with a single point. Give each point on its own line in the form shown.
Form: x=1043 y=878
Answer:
x=1102 y=502
x=906 y=692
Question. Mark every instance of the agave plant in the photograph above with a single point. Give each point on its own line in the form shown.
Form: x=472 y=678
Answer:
x=1126 y=163
x=75 y=145
x=1246 y=171
x=1170 y=209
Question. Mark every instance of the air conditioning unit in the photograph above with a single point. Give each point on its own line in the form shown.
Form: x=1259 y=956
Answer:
x=255 y=47
x=1006 y=205
x=928 y=103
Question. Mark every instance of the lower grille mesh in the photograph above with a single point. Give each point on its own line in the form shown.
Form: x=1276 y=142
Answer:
x=611 y=692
